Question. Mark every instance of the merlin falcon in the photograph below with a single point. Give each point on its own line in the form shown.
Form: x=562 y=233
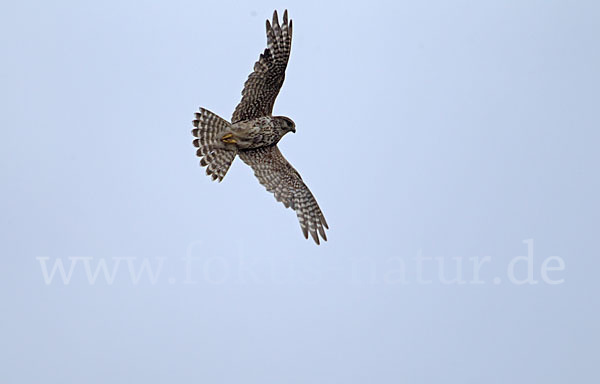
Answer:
x=254 y=132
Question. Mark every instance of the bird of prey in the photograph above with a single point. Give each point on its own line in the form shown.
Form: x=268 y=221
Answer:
x=254 y=132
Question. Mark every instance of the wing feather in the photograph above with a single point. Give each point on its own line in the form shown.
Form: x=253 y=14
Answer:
x=279 y=177
x=263 y=85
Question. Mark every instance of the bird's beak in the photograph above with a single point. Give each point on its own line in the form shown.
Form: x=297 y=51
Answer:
x=294 y=129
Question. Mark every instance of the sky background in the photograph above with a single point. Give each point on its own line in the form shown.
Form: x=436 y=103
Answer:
x=432 y=133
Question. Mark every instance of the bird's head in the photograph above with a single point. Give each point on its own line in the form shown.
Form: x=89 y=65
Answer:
x=286 y=124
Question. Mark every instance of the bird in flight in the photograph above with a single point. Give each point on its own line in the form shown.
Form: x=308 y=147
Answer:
x=254 y=132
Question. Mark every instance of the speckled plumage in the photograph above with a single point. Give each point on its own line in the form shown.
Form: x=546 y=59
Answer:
x=253 y=134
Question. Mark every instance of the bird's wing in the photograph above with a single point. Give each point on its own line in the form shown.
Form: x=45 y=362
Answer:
x=279 y=177
x=263 y=85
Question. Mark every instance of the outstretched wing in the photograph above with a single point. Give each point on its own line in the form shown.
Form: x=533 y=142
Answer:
x=263 y=85
x=279 y=177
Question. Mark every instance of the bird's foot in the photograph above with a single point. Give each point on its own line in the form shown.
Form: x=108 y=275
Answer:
x=228 y=138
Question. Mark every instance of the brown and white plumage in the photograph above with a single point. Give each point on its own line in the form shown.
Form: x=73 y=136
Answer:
x=214 y=154
x=253 y=133
x=280 y=178
x=263 y=85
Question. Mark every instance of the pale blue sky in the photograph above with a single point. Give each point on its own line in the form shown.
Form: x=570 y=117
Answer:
x=430 y=132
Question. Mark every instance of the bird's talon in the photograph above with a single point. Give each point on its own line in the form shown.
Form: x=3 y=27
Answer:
x=228 y=138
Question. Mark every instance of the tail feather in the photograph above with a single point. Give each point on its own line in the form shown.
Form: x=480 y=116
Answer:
x=214 y=154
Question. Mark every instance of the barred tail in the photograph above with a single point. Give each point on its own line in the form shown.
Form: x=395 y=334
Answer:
x=214 y=154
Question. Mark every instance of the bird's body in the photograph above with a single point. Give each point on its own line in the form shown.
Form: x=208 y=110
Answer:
x=254 y=132
x=260 y=132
